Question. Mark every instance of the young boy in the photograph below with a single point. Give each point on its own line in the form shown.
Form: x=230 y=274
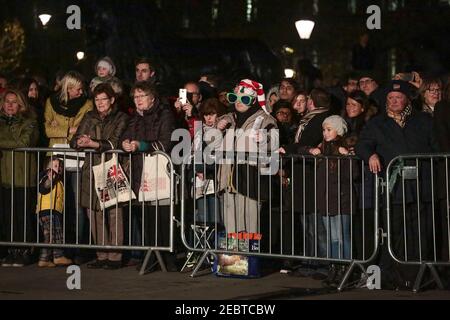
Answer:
x=49 y=209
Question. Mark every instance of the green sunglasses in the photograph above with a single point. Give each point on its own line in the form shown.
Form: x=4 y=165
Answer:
x=244 y=99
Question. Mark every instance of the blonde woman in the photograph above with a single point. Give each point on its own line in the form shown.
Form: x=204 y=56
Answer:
x=64 y=111
x=18 y=129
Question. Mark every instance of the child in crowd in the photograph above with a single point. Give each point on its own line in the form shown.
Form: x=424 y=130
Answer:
x=333 y=177
x=105 y=71
x=206 y=201
x=50 y=209
x=335 y=203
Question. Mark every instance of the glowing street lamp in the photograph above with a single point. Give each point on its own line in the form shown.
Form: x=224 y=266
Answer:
x=289 y=73
x=45 y=18
x=80 y=55
x=305 y=28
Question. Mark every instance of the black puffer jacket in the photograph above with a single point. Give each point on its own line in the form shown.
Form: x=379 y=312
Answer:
x=154 y=128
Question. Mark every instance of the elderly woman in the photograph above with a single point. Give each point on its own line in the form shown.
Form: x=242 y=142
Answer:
x=101 y=130
x=63 y=113
x=441 y=121
x=150 y=129
x=18 y=129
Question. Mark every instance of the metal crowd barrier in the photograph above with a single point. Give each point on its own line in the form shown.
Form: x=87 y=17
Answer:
x=148 y=220
x=417 y=207
x=292 y=215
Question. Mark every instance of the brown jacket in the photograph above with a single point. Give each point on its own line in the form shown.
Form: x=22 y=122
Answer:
x=106 y=132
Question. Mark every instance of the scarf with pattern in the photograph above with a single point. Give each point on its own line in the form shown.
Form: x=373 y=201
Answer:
x=305 y=120
x=401 y=117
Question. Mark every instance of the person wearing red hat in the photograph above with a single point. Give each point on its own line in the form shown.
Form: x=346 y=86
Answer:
x=244 y=184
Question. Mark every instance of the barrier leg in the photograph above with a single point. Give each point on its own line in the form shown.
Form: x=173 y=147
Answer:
x=161 y=261
x=346 y=276
x=144 y=264
x=419 y=277
x=200 y=263
x=436 y=277
x=188 y=260
x=147 y=258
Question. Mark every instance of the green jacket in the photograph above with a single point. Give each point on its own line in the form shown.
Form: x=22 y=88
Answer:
x=20 y=131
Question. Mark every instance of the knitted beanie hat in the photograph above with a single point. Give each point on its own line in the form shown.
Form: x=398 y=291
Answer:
x=254 y=89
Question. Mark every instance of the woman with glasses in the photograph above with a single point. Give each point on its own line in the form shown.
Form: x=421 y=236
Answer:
x=245 y=188
x=430 y=93
x=441 y=124
x=149 y=130
x=101 y=129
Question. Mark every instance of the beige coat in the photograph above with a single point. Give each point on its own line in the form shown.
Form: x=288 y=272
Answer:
x=57 y=126
x=231 y=143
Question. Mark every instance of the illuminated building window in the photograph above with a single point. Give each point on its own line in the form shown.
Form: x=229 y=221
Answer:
x=315 y=7
x=393 y=62
x=251 y=10
x=352 y=6
x=214 y=11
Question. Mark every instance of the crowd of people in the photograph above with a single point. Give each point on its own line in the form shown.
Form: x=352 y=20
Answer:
x=362 y=116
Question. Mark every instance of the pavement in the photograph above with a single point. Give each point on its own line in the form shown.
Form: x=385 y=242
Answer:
x=36 y=283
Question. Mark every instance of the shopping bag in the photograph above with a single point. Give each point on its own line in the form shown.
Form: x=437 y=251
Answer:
x=73 y=160
x=236 y=265
x=203 y=187
x=155 y=182
x=111 y=183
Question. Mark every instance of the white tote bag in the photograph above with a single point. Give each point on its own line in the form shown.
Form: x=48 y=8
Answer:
x=73 y=160
x=203 y=187
x=111 y=183
x=155 y=182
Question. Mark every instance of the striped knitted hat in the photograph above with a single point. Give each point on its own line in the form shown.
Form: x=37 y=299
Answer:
x=254 y=89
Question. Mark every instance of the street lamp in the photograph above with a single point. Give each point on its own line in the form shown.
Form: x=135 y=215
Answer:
x=45 y=18
x=305 y=28
x=80 y=55
x=289 y=73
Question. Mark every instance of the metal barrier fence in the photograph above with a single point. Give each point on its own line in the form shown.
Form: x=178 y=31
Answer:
x=87 y=209
x=417 y=205
x=321 y=209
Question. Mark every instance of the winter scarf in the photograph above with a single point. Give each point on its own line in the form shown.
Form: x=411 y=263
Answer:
x=400 y=118
x=305 y=120
x=70 y=109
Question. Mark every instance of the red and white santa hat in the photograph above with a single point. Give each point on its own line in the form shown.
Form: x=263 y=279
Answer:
x=254 y=89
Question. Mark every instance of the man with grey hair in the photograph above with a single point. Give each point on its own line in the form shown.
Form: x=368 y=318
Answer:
x=401 y=130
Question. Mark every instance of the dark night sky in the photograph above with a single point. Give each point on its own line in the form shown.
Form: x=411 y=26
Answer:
x=125 y=30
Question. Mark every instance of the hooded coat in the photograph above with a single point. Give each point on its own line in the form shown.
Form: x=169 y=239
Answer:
x=20 y=131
